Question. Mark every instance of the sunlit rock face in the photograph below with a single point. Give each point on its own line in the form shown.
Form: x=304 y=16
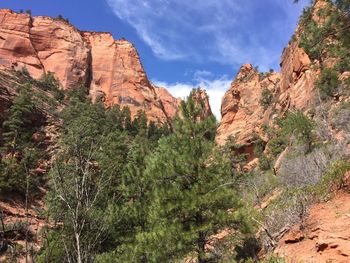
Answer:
x=242 y=110
x=110 y=68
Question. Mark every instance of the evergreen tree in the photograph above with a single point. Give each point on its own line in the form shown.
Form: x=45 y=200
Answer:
x=18 y=126
x=139 y=125
x=191 y=190
x=127 y=123
x=135 y=190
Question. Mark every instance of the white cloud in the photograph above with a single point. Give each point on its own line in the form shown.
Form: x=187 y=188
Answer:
x=225 y=31
x=215 y=88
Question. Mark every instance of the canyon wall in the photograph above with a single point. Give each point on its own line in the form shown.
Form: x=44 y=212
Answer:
x=110 y=68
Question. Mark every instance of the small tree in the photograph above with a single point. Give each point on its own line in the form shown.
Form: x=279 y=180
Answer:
x=299 y=125
x=17 y=126
x=328 y=83
x=80 y=183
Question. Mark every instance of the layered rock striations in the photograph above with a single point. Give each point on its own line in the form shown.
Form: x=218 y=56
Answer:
x=110 y=68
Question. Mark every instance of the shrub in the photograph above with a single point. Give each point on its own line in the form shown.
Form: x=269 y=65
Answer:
x=299 y=125
x=264 y=163
x=266 y=98
x=277 y=145
x=48 y=82
x=256 y=186
x=299 y=170
x=332 y=179
x=328 y=83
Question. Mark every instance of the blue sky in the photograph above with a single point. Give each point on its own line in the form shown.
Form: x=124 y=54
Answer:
x=182 y=43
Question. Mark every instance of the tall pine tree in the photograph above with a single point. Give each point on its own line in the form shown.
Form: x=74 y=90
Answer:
x=191 y=190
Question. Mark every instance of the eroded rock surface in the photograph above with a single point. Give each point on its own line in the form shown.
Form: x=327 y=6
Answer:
x=325 y=237
x=110 y=68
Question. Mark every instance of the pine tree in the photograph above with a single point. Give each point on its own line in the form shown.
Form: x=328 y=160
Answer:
x=191 y=190
x=127 y=123
x=139 y=124
x=135 y=190
x=17 y=126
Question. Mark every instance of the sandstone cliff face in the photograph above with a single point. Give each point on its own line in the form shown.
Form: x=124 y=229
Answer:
x=241 y=110
x=42 y=44
x=110 y=68
x=292 y=88
x=118 y=77
x=170 y=104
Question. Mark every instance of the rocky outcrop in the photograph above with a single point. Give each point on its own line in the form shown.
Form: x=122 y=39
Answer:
x=241 y=109
x=118 y=78
x=325 y=236
x=43 y=44
x=170 y=104
x=256 y=98
x=111 y=69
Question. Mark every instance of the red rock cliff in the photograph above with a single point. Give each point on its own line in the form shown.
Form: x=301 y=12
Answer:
x=243 y=113
x=110 y=68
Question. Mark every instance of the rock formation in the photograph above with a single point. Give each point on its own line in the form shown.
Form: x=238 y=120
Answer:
x=110 y=68
x=292 y=88
x=242 y=114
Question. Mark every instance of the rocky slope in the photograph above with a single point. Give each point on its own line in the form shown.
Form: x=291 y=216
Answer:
x=325 y=236
x=111 y=69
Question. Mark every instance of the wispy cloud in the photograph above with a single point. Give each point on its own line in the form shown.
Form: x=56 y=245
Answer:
x=225 y=31
x=215 y=88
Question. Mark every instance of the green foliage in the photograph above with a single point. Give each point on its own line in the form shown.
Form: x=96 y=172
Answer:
x=277 y=144
x=77 y=94
x=18 y=124
x=15 y=170
x=259 y=145
x=83 y=182
x=343 y=5
x=313 y=40
x=272 y=259
x=328 y=83
x=299 y=125
x=52 y=249
x=236 y=157
x=266 y=98
x=264 y=163
x=191 y=190
x=19 y=156
x=331 y=180
x=48 y=82
x=329 y=38
x=103 y=153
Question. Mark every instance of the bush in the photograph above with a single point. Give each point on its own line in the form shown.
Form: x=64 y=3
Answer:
x=328 y=83
x=299 y=170
x=264 y=163
x=299 y=125
x=256 y=186
x=48 y=82
x=266 y=98
x=331 y=180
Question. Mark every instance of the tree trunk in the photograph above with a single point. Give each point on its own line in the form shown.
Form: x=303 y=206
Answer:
x=201 y=248
x=77 y=240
